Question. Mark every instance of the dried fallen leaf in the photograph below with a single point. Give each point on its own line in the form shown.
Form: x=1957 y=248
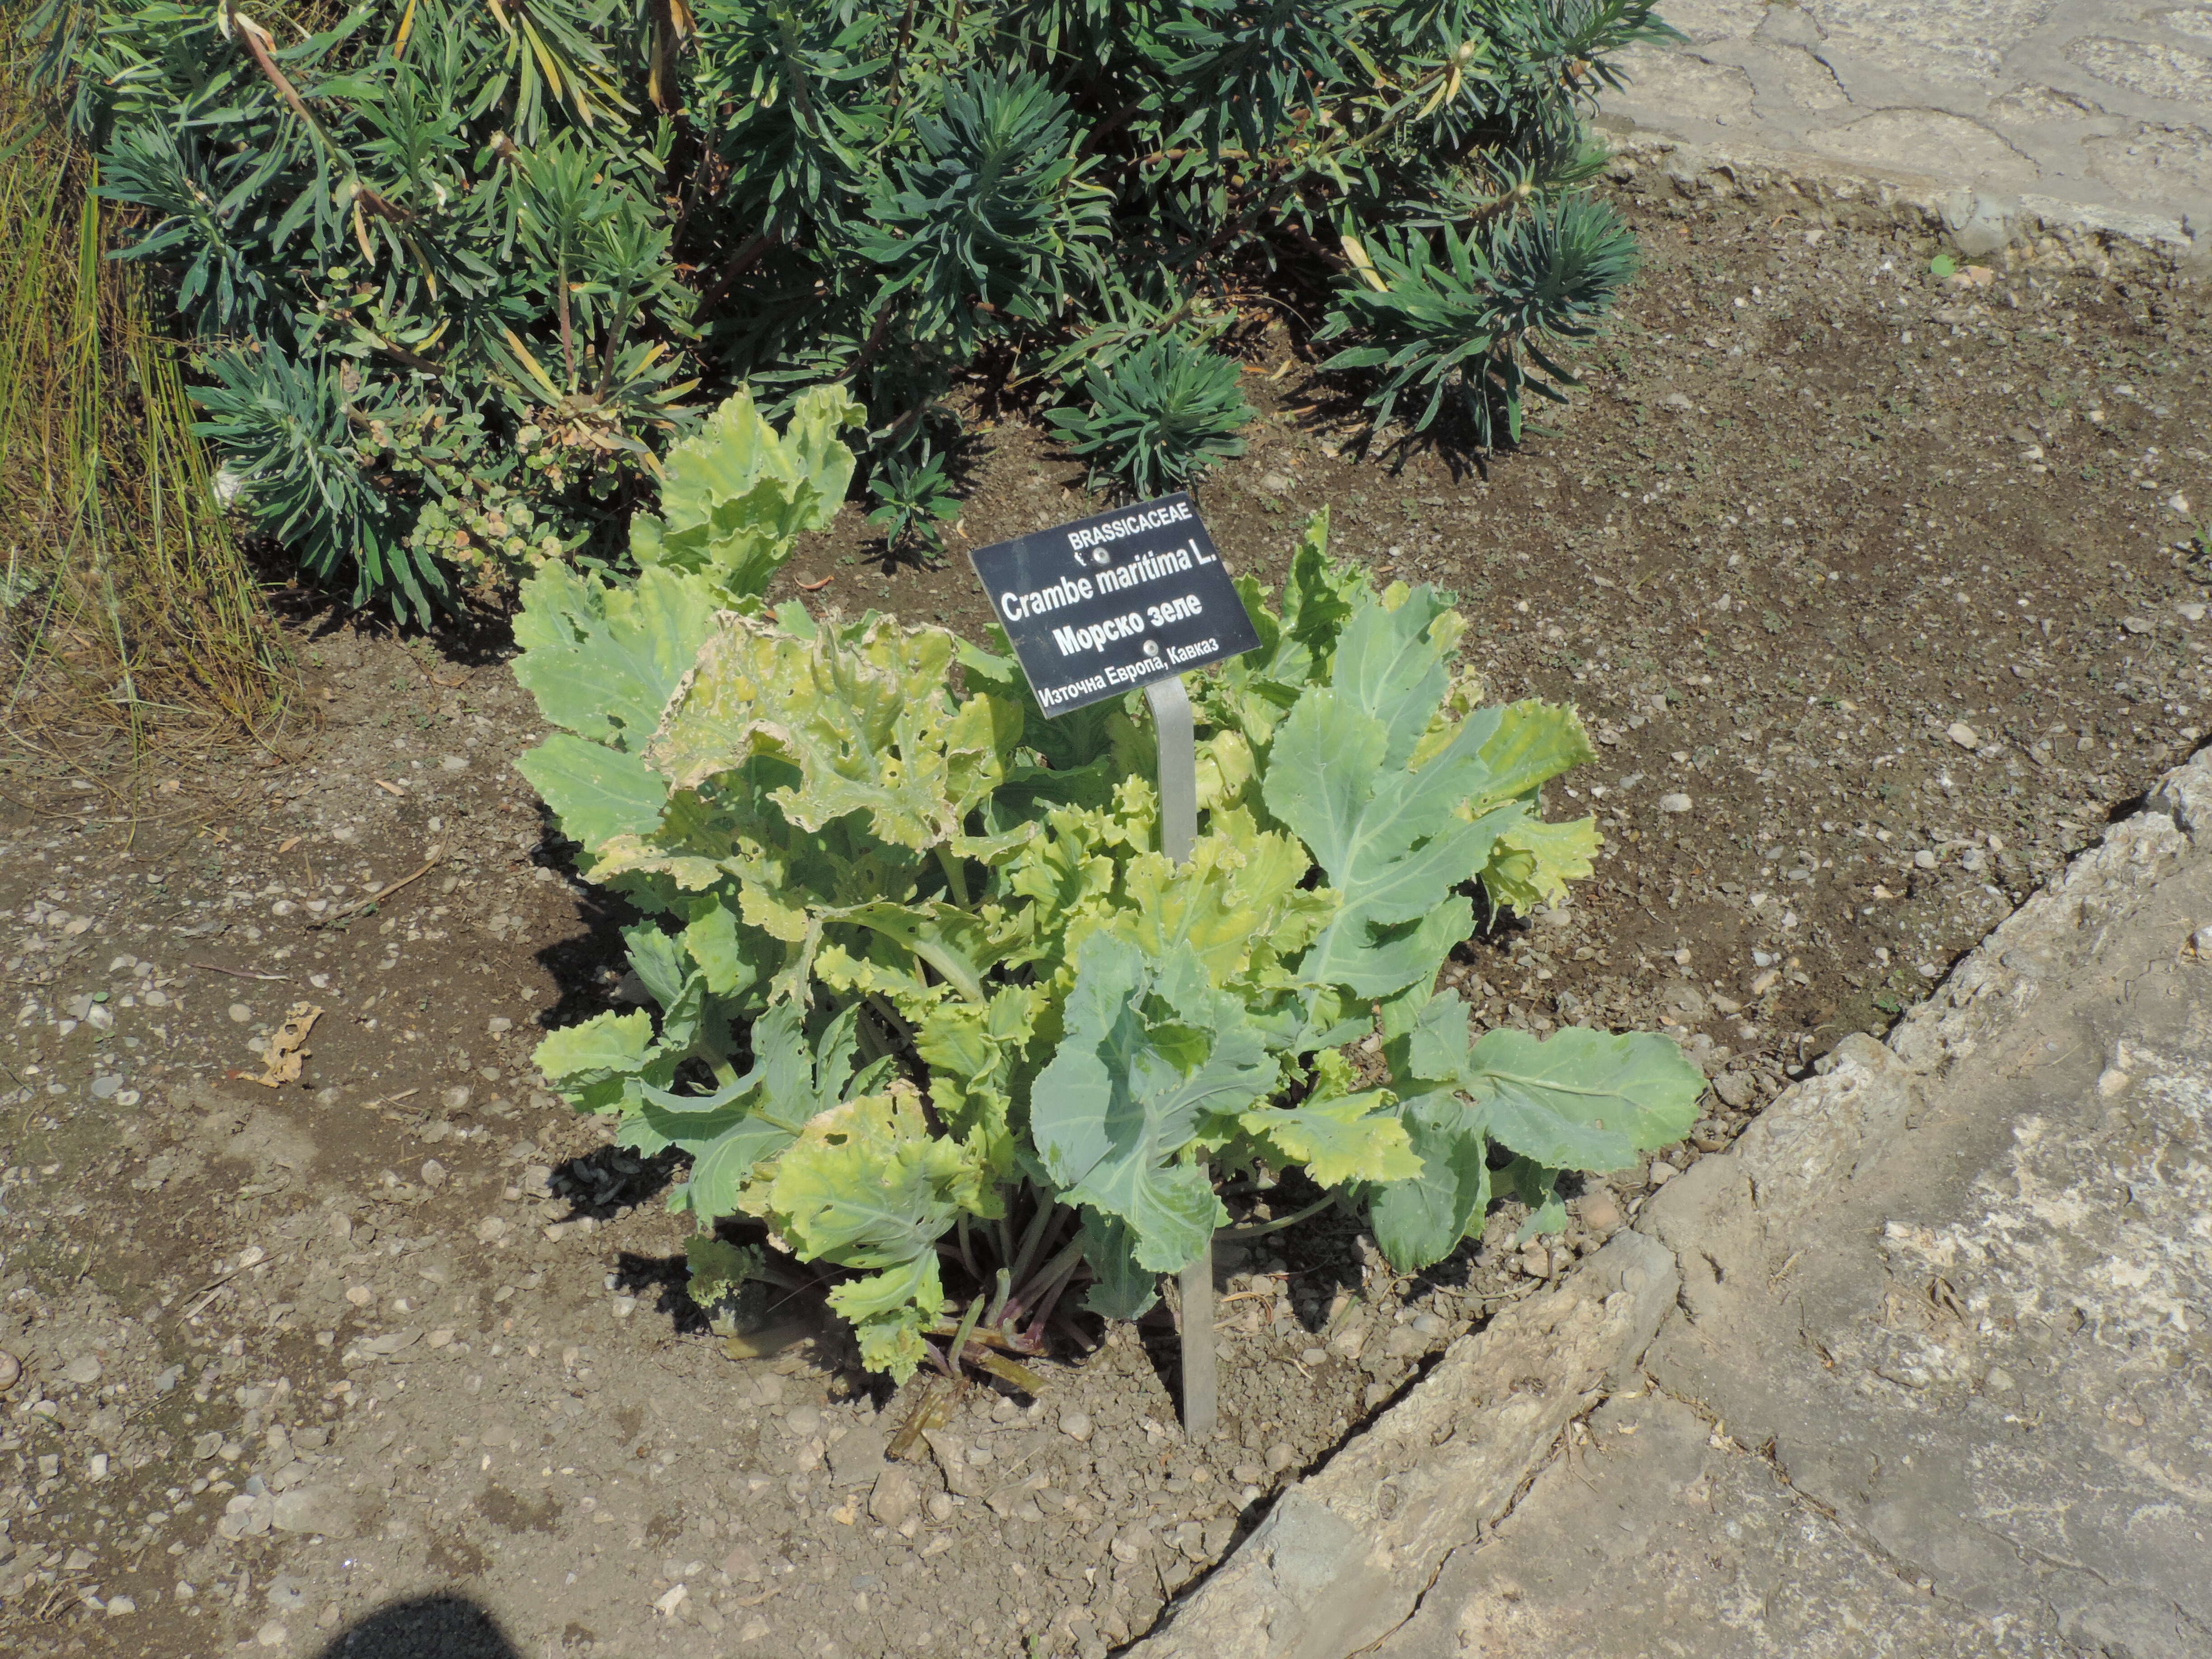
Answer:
x=390 y=789
x=291 y=841
x=286 y=1051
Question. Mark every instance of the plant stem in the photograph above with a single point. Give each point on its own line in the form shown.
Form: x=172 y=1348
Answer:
x=1058 y=1274
x=1261 y=1229
x=1032 y=1237
x=998 y=1297
x=955 y=877
x=740 y=261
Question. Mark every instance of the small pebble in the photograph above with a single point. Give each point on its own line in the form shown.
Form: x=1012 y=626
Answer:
x=1280 y=1456
x=1662 y=1174
x=10 y=1368
x=241 y=1013
x=1675 y=801
x=1600 y=1213
x=895 y=1497
x=1964 y=735
x=434 y=1174
x=803 y=1420
x=1076 y=1425
x=119 y=1606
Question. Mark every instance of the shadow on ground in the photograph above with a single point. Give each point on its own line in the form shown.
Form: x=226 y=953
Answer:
x=427 y=1627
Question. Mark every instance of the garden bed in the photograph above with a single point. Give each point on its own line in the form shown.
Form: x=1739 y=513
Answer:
x=1788 y=556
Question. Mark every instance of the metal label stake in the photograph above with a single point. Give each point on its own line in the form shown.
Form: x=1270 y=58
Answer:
x=1134 y=596
x=1176 y=733
x=1176 y=736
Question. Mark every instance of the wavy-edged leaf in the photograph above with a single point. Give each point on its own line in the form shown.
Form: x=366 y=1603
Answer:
x=735 y=497
x=1420 y=1220
x=889 y=1311
x=865 y=717
x=868 y=1184
x=1120 y=1288
x=603 y=1046
x=600 y=1065
x=1339 y=1137
x=601 y=660
x=1152 y=1052
x=1389 y=841
x=1581 y=1099
x=1533 y=743
x=1532 y=862
x=595 y=790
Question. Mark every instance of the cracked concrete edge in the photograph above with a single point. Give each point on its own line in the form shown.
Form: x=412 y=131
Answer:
x=1812 y=1137
x=2041 y=232
x=1345 y=1556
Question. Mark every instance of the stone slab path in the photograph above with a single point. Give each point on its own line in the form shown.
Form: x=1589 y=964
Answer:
x=1921 y=1366
x=2101 y=106
x=1940 y=1379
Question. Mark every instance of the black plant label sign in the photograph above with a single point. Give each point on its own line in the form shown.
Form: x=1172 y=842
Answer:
x=1096 y=607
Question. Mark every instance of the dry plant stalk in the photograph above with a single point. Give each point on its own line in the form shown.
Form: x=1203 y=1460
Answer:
x=127 y=609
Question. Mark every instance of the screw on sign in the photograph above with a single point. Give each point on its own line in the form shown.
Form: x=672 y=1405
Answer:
x=1135 y=598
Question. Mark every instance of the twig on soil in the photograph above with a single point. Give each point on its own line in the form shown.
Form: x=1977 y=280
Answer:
x=205 y=1294
x=53 y=1607
x=437 y=857
x=235 y=973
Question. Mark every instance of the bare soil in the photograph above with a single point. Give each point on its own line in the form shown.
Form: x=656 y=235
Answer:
x=1872 y=587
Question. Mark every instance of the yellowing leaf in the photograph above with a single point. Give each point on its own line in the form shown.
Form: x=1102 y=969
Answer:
x=1340 y=1139
x=868 y=1184
x=867 y=720
x=1532 y=862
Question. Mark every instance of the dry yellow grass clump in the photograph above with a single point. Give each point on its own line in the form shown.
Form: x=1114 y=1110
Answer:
x=127 y=610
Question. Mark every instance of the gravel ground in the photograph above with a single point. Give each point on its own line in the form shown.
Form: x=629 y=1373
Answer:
x=1870 y=585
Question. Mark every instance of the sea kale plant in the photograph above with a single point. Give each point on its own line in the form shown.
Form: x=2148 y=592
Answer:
x=456 y=265
x=932 y=1008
